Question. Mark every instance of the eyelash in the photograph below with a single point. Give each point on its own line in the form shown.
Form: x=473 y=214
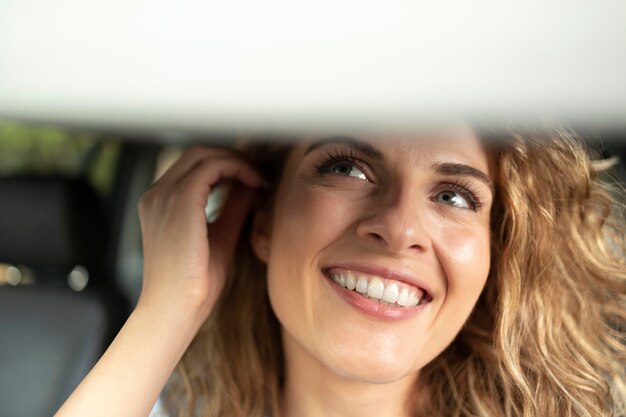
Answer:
x=331 y=158
x=466 y=190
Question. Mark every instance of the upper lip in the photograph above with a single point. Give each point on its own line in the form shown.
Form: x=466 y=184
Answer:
x=384 y=272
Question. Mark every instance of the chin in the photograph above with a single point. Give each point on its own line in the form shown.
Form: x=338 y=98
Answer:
x=370 y=367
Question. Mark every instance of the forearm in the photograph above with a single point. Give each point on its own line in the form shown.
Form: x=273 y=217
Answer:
x=183 y=277
x=128 y=378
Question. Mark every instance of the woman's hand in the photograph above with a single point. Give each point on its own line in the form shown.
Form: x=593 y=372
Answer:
x=186 y=260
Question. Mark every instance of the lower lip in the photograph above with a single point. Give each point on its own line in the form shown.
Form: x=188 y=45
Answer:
x=374 y=308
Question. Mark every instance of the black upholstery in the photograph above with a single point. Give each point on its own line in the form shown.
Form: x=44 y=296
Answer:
x=51 y=336
x=51 y=222
x=50 y=339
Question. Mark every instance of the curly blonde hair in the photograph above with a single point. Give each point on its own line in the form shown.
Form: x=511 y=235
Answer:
x=546 y=337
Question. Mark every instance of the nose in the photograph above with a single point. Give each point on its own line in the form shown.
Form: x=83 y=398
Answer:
x=397 y=222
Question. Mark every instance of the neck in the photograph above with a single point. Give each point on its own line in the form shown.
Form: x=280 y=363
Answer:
x=314 y=390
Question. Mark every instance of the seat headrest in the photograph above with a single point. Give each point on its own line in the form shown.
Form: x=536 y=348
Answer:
x=50 y=222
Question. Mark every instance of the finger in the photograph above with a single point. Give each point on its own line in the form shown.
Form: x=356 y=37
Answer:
x=208 y=173
x=225 y=232
x=191 y=157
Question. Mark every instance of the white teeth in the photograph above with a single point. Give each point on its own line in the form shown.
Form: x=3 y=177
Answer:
x=391 y=293
x=361 y=285
x=418 y=299
x=350 y=281
x=342 y=280
x=376 y=288
x=403 y=297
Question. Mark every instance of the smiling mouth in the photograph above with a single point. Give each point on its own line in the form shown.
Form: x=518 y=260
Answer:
x=385 y=291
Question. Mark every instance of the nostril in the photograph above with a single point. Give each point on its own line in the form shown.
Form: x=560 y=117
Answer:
x=394 y=233
x=376 y=236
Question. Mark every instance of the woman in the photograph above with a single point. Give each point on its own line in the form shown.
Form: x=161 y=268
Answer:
x=450 y=276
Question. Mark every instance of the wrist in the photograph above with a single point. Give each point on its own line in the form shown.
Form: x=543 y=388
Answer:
x=168 y=312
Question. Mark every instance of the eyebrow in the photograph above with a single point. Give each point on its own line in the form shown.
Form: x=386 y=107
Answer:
x=366 y=148
x=453 y=168
x=444 y=168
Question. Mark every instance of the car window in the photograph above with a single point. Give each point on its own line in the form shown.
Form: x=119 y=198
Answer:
x=49 y=150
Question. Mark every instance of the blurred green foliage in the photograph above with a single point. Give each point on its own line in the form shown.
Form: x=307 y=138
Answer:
x=49 y=150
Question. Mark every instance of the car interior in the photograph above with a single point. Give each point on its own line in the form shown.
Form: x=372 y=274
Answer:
x=70 y=260
x=67 y=280
x=98 y=99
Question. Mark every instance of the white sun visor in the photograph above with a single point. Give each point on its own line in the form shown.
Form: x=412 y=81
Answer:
x=277 y=64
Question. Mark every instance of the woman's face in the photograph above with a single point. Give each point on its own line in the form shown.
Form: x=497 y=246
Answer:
x=378 y=250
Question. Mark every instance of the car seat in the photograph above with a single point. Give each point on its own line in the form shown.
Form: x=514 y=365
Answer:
x=51 y=335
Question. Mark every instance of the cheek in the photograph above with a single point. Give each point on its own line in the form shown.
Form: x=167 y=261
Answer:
x=468 y=251
x=307 y=220
x=464 y=256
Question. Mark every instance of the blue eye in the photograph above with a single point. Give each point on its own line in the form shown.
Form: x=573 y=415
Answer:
x=452 y=198
x=347 y=169
x=343 y=163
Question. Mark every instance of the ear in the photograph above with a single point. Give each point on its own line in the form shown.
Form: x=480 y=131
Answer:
x=260 y=236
